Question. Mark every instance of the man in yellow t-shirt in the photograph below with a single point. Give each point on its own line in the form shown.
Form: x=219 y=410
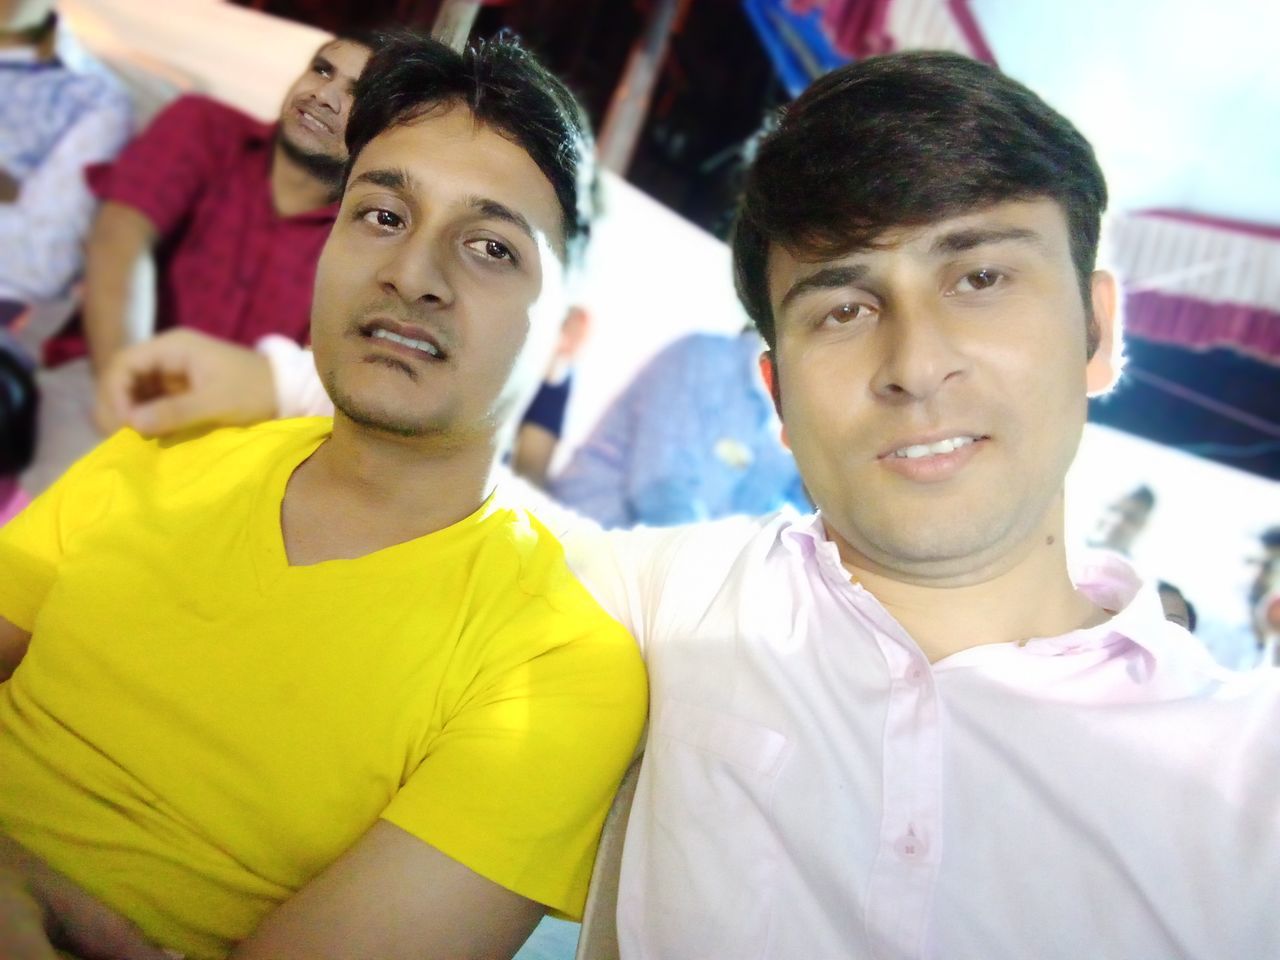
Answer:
x=313 y=688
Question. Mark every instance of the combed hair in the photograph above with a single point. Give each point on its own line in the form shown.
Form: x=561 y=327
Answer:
x=411 y=75
x=905 y=140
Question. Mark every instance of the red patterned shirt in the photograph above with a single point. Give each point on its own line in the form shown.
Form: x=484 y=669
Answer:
x=229 y=264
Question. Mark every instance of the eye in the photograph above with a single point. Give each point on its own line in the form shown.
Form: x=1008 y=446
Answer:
x=381 y=218
x=846 y=313
x=491 y=249
x=322 y=68
x=979 y=280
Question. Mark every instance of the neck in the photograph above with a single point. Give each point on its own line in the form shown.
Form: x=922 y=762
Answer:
x=1025 y=593
x=362 y=491
x=294 y=188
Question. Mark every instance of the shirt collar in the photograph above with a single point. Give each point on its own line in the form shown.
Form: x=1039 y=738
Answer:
x=1107 y=579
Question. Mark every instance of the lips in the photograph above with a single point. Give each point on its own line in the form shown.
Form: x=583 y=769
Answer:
x=407 y=336
x=310 y=119
x=937 y=444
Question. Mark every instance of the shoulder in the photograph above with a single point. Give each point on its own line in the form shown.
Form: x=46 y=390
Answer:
x=535 y=609
x=662 y=580
x=201 y=460
x=207 y=118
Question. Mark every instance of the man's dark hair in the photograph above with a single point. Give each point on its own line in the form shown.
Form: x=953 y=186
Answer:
x=1164 y=586
x=905 y=140
x=1143 y=495
x=506 y=89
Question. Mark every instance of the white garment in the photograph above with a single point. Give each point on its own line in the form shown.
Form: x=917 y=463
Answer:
x=814 y=790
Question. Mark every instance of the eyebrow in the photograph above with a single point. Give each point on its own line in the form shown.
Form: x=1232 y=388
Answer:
x=828 y=278
x=392 y=178
x=959 y=241
x=493 y=210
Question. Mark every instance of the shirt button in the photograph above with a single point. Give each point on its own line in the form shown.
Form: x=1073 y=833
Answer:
x=915 y=674
x=911 y=847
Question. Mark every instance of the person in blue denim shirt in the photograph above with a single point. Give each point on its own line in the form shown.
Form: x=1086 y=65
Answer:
x=694 y=437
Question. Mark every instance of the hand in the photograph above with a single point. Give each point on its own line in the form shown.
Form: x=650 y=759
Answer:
x=182 y=379
x=40 y=908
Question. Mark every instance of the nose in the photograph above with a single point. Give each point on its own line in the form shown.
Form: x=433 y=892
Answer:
x=413 y=273
x=330 y=95
x=919 y=355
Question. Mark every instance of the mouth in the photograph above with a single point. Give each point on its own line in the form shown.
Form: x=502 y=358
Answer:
x=933 y=448
x=933 y=459
x=313 y=122
x=405 y=338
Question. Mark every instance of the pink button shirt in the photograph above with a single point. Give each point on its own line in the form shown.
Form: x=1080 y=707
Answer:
x=814 y=789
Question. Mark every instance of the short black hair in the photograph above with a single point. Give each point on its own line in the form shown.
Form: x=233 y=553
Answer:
x=1144 y=495
x=1164 y=586
x=372 y=39
x=506 y=89
x=905 y=140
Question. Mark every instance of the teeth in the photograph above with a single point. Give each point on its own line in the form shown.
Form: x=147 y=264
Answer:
x=931 y=449
x=422 y=345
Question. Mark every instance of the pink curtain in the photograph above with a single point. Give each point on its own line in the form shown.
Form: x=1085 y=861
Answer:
x=1200 y=325
x=856 y=27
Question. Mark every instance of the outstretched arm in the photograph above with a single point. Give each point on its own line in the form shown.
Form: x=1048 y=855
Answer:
x=394 y=897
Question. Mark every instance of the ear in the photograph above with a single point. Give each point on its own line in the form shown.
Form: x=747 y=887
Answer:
x=1103 y=368
x=769 y=374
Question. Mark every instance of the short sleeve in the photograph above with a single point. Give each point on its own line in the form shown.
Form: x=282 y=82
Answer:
x=517 y=784
x=34 y=542
x=162 y=173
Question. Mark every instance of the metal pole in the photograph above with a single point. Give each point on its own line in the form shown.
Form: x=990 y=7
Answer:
x=630 y=103
x=454 y=22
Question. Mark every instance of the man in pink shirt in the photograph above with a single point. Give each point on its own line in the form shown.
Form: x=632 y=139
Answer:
x=899 y=727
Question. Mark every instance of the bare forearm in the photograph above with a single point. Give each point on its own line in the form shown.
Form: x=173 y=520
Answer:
x=120 y=282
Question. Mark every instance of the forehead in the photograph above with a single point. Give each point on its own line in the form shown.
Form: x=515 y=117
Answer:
x=452 y=159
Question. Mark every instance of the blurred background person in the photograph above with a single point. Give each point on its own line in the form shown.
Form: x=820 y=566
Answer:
x=60 y=110
x=694 y=437
x=210 y=220
x=1264 y=597
x=1123 y=521
x=1177 y=608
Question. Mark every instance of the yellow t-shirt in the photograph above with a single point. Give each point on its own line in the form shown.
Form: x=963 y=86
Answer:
x=198 y=728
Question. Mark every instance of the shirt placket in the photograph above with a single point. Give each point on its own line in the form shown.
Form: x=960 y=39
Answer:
x=905 y=868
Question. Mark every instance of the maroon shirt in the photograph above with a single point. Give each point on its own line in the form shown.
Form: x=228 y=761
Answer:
x=229 y=264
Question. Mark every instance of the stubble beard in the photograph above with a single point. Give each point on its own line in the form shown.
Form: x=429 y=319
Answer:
x=324 y=167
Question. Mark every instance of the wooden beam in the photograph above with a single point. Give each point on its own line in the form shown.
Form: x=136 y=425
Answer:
x=630 y=104
x=454 y=22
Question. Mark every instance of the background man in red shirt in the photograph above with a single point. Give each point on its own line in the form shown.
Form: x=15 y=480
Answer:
x=210 y=220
